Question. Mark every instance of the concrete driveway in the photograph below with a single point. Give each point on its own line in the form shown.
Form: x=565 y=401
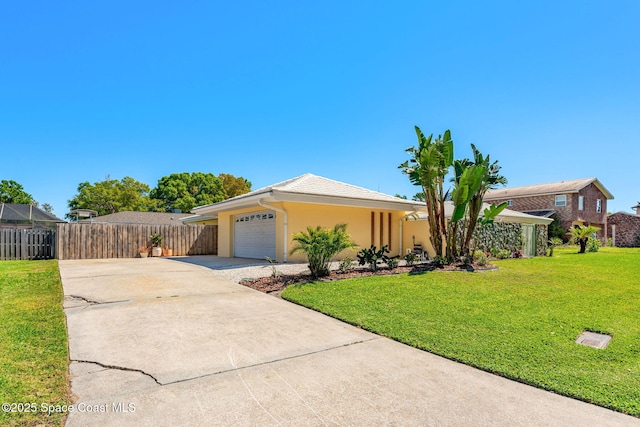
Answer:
x=165 y=342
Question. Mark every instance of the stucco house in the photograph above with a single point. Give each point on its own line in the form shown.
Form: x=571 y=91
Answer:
x=624 y=228
x=579 y=201
x=262 y=222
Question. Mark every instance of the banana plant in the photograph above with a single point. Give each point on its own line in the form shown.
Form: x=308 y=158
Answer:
x=428 y=167
x=466 y=185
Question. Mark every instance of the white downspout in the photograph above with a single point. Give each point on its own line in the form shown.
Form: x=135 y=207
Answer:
x=286 y=226
x=405 y=218
x=400 y=249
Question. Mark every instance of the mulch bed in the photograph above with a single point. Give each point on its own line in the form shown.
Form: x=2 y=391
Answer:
x=277 y=284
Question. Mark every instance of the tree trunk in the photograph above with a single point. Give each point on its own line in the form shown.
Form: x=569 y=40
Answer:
x=583 y=245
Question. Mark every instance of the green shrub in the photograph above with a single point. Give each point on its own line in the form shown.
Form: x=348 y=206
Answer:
x=373 y=256
x=392 y=262
x=481 y=258
x=345 y=263
x=156 y=240
x=411 y=258
x=321 y=245
x=593 y=245
x=440 y=261
x=503 y=254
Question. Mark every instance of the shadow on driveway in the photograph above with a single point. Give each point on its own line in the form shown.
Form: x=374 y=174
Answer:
x=214 y=262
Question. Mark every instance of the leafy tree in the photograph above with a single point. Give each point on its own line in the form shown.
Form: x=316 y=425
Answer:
x=185 y=191
x=12 y=192
x=556 y=230
x=321 y=245
x=47 y=208
x=582 y=233
x=428 y=167
x=234 y=186
x=111 y=196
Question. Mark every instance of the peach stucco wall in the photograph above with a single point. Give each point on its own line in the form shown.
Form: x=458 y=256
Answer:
x=358 y=220
x=302 y=215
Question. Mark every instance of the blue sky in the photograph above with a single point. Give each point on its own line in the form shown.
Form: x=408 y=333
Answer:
x=272 y=90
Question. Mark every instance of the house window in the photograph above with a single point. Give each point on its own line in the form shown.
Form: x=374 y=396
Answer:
x=509 y=202
x=580 y=203
x=599 y=205
x=561 y=200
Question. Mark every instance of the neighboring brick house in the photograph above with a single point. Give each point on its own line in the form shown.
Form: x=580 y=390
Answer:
x=624 y=228
x=580 y=201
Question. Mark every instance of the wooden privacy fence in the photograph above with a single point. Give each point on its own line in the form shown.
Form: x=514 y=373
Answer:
x=25 y=244
x=95 y=241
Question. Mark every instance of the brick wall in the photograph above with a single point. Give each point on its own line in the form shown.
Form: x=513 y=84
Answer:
x=627 y=229
x=589 y=214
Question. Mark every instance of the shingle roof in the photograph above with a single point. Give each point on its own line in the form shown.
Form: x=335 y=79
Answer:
x=561 y=187
x=131 y=217
x=314 y=186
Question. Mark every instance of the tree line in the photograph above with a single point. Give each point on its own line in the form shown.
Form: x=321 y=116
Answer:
x=178 y=191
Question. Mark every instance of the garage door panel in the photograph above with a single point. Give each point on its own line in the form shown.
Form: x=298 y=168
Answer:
x=254 y=235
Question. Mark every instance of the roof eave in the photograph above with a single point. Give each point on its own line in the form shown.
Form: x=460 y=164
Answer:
x=603 y=189
x=524 y=220
x=508 y=196
x=233 y=204
x=285 y=196
x=196 y=218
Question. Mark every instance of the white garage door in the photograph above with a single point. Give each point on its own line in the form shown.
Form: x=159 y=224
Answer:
x=254 y=235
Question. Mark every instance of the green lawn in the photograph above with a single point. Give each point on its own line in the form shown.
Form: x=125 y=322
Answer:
x=33 y=341
x=519 y=322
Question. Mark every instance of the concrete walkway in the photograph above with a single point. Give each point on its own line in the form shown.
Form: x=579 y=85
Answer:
x=159 y=342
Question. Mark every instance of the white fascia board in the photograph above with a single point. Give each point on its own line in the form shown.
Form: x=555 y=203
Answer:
x=229 y=205
x=196 y=218
x=531 y=219
x=282 y=196
x=602 y=189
